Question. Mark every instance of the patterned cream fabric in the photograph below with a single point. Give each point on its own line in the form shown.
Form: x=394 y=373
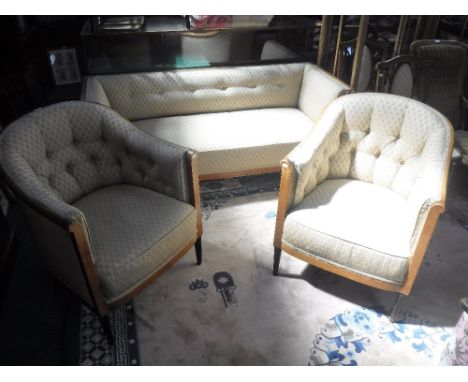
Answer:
x=355 y=225
x=234 y=141
x=202 y=90
x=134 y=232
x=385 y=140
x=318 y=89
x=238 y=118
x=61 y=153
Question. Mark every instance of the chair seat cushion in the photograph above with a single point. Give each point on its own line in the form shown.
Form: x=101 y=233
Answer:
x=355 y=225
x=234 y=141
x=134 y=232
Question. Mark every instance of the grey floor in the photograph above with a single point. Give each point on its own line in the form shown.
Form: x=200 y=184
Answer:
x=282 y=320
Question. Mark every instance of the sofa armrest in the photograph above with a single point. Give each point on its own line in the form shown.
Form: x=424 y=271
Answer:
x=319 y=88
x=93 y=91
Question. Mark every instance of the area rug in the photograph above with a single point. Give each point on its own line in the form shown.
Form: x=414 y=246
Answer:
x=95 y=349
x=231 y=310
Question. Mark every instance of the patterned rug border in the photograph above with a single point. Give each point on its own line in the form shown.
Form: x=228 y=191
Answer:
x=95 y=350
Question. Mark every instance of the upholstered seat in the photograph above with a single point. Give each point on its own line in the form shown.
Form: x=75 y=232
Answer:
x=234 y=141
x=341 y=223
x=242 y=120
x=361 y=195
x=134 y=231
x=109 y=207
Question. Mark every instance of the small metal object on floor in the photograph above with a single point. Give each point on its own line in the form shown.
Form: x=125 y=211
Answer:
x=225 y=285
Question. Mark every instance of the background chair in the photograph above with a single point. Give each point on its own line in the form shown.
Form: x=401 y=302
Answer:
x=109 y=207
x=361 y=195
x=434 y=72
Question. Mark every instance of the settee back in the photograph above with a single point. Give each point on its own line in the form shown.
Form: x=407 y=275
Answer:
x=138 y=96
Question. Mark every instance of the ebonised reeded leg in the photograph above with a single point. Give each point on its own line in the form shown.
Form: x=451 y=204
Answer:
x=106 y=326
x=198 y=250
x=396 y=307
x=276 y=261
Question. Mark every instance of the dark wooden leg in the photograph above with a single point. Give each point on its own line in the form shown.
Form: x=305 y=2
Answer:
x=198 y=250
x=396 y=307
x=106 y=326
x=276 y=261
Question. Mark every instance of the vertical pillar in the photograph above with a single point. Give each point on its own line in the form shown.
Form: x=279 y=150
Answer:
x=401 y=34
x=338 y=43
x=325 y=34
x=363 y=24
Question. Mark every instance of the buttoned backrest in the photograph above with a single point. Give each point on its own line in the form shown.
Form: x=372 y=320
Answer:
x=69 y=150
x=201 y=90
x=393 y=141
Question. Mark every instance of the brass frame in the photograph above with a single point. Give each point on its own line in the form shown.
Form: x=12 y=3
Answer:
x=419 y=249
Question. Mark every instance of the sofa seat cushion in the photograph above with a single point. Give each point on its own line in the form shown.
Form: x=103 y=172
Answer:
x=134 y=232
x=341 y=222
x=234 y=141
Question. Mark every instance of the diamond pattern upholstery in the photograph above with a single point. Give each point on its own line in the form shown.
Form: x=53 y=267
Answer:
x=368 y=149
x=238 y=118
x=63 y=152
x=134 y=232
x=80 y=164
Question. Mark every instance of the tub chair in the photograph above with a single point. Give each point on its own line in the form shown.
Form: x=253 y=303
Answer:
x=361 y=195
x=109 y=207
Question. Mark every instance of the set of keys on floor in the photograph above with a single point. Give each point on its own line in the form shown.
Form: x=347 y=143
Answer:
x=224 y=284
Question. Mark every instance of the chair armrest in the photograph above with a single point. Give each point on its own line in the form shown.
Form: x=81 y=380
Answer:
x=40 y=199
x=311 y=158
x=285 y=198
x=156 y=164
x=306 y=166
x=397 y=60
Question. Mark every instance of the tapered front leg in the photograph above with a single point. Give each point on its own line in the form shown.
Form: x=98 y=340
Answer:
x=276 y=260
x=106 y=326
x=198 y=250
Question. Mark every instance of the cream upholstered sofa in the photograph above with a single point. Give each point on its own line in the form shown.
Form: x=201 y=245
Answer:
x=241 y=120
x=109 y=209
x=361 y=195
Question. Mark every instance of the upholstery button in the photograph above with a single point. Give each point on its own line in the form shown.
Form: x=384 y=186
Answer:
x=69 y=167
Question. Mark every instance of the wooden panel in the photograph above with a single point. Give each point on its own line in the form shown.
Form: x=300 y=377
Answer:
x=228 y=175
